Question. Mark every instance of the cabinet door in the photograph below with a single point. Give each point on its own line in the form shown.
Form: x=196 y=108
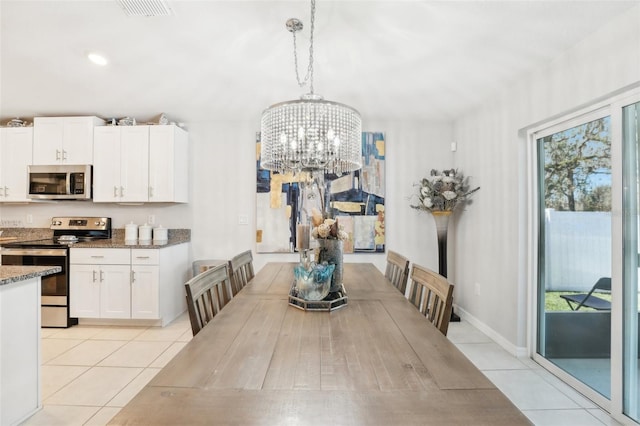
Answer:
x=145 y=292
x=84 y=291
x=77 y=138
x=134 y=158
x=47 y=140
x=115 y=291
x=168 y=164
x=15 y=156
x=106 y=164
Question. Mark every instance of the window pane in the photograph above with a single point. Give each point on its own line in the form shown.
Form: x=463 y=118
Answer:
x=574 y=289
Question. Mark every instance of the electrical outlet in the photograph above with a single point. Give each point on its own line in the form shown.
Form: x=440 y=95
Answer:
x=29 y=218
x=151 y=220
x=243 y=219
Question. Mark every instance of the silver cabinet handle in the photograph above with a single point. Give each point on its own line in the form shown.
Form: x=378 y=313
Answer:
x=94 y=276
x=101 y=276
x=133 y=277
x=6 y=192
x=151 y=192
x=115 y=192
x=64 y=154
x=142 y=257
x=121 y=192
x=97 y=257
x=57 y=154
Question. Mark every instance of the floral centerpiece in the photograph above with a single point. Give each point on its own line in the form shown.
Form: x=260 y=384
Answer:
x=330 y=236
x=329 y=229
x=442 y=191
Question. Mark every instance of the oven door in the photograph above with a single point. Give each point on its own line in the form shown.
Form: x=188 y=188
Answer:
x=53 y=286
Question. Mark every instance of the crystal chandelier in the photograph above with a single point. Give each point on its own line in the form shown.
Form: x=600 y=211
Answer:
x=310 y=134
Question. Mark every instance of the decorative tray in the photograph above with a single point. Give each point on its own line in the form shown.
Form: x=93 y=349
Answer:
x=334 y=300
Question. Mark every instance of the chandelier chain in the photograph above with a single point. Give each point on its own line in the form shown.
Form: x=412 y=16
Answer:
x=309 y=76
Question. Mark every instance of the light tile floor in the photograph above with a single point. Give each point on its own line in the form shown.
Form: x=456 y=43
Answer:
x=89 y=373
x=542 y=397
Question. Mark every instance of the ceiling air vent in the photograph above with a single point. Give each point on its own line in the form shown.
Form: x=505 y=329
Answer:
x=145 y=7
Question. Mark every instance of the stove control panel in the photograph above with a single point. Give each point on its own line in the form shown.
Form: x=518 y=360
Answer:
x=81 y=223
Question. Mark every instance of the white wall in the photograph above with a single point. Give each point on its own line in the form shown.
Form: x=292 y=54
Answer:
x=490 y=248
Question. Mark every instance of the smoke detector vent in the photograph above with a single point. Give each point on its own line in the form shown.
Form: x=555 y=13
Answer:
x=145 y=7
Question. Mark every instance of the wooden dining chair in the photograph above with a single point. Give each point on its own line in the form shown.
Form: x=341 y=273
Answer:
x=206 y=295
x=397 y=270
x=241 y=267
x=432 y=294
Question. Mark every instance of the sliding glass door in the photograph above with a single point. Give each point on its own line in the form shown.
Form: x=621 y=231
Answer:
x=574 y=248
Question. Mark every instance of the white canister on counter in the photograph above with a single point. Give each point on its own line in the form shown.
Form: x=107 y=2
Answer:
x=160 y=234
x=130 y=232
x=144 y=232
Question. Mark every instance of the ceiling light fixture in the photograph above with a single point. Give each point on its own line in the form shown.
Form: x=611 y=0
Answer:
x=97 y=58
x=310 y=134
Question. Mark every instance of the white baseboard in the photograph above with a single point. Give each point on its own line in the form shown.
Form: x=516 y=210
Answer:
x=517 y=351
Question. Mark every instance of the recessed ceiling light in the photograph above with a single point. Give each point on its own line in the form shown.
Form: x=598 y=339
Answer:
x=97 y=58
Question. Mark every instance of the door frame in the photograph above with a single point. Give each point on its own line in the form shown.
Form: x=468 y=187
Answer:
x=612 y=106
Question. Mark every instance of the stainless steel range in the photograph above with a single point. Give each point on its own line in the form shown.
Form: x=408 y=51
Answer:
x=55 y=252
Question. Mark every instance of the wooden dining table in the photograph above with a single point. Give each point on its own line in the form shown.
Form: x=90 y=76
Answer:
x=375 y=361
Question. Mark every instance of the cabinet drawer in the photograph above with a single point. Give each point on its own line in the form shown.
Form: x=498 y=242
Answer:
x=100 y=256
x=145 y=257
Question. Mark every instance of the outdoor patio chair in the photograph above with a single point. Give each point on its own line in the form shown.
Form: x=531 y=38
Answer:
x=577 y=301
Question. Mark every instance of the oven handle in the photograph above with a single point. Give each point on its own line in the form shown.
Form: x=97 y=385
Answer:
x=32 y=252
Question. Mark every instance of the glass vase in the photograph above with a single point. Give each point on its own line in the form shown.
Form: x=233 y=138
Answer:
x=332 y=252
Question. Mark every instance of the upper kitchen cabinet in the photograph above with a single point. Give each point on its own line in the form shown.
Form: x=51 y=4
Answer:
x=168 y=164
x=64 y=140
x=134 y=164
x=15 y=156
x=121 y=164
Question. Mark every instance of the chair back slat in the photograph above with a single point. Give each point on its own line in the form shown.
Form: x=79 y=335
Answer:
x=432 y=294
x=206 y=295
x=397 y=270
x=241 y=267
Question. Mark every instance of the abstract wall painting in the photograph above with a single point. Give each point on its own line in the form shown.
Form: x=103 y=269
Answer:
x=356 y=199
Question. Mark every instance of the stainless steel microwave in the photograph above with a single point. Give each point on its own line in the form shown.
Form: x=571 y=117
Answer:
x=60 y=182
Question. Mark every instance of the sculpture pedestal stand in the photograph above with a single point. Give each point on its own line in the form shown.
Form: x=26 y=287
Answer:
x=442 y=226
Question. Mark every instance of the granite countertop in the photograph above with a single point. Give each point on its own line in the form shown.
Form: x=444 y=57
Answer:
x=11 y=273
x=176 y=236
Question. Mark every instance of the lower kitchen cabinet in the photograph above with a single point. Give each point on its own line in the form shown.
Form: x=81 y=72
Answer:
x=146 y=284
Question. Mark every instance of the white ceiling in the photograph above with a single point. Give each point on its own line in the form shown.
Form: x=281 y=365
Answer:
x=424 y=60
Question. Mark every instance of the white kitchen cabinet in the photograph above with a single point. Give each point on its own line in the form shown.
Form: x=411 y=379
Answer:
x=145 y=284
x=140 y=164
x=115 y=294
x=121 y=164
x=16 y=148
x=136 y=284
x=99 y=283
x=168 y=164
x=84 y=292
x=64 y=140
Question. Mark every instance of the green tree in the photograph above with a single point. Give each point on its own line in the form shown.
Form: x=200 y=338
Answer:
x=572 y=158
